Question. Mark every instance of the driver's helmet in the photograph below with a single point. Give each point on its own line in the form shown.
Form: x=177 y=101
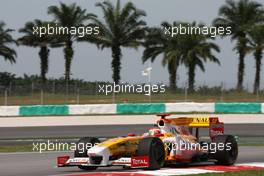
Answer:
x=154 y=131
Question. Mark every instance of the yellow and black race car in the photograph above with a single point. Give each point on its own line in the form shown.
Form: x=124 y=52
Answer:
x=173 y=140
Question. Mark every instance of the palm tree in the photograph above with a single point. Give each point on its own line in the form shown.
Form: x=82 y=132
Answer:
x=69 y=16
x=122 y=27
x=6 y=39
x=197 y=49
x=256 y=40
x=43 y=42
x=156 y=43
x=240 y=16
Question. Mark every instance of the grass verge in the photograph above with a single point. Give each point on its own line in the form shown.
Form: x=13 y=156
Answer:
x=16 y=148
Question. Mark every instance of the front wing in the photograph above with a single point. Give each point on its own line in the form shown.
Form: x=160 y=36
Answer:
x=132 y=162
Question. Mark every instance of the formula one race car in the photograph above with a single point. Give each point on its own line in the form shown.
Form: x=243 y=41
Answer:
x=171 y=141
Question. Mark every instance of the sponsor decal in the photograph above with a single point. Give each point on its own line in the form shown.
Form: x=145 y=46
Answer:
x=200 y=121
x=122 y=161
x=78 y=161
x=139 y=161
x=216 y=129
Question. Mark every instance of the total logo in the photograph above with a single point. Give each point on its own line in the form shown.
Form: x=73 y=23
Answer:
x=140 y=161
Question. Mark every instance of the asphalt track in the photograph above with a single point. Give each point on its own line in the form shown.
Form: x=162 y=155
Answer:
x=40 y=164
x=256 y=130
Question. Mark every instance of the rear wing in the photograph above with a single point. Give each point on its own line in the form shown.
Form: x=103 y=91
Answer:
x=215 y=126
x=200 y=122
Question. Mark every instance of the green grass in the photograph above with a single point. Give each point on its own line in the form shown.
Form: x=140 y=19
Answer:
x=241 y=173
x=16 y=148
x=19 y=148
x=49 y=98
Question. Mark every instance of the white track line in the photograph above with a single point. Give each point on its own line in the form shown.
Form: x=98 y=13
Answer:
x=179 y=171
x=256 y=164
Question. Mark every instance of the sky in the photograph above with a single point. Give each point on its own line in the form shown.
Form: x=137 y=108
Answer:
x=92 y=64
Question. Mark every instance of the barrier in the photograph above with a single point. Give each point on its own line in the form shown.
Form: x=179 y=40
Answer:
x=9 y=110
x=238 y=107
x=92 y=109
x=131 y=108
x=190 y=107
x=262 y=107
x=43 y=110
x=135 y=108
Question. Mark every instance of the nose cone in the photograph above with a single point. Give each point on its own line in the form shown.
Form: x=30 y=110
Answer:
x=100 y=151
x=96 y=150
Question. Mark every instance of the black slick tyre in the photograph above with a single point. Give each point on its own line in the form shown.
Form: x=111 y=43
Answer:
x=83 y=153
x=152 y=147
x=228 y=153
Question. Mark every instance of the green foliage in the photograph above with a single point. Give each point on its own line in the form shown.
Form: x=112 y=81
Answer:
x=190 y=49
x=256 y=46
x=157 y=43
x=6 y=78
x=43 y=42
x=122 y=27
x=241 y=16
x=6 y=40
x=69 y=16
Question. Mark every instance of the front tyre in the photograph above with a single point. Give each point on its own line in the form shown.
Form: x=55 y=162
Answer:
x=152 y=147
x=85 y=141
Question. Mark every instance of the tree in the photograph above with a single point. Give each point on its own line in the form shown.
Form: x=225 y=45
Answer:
x=6 y=78
x=157 y=43
x=69 y=16
x=256 y=40
x=241 y=16
x=6 y=39
x=197 y=49
x=122 y=27
x=42 y=42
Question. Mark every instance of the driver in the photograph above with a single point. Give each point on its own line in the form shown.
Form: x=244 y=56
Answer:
x=154 y=131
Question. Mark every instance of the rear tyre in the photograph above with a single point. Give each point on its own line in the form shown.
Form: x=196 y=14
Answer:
x=228 y=154
x=152 y=147
x=89 y=141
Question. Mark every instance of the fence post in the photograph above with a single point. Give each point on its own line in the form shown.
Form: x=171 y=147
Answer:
x=41 y=96
x=10 y=88
x=53 y=87
x=113 y=97
x=185 y=92
x=222 y=92
x=32 y=89
x=5 y=97
x=258 y=95
x=78 y=96
x=96 y=85
x=67 y=92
